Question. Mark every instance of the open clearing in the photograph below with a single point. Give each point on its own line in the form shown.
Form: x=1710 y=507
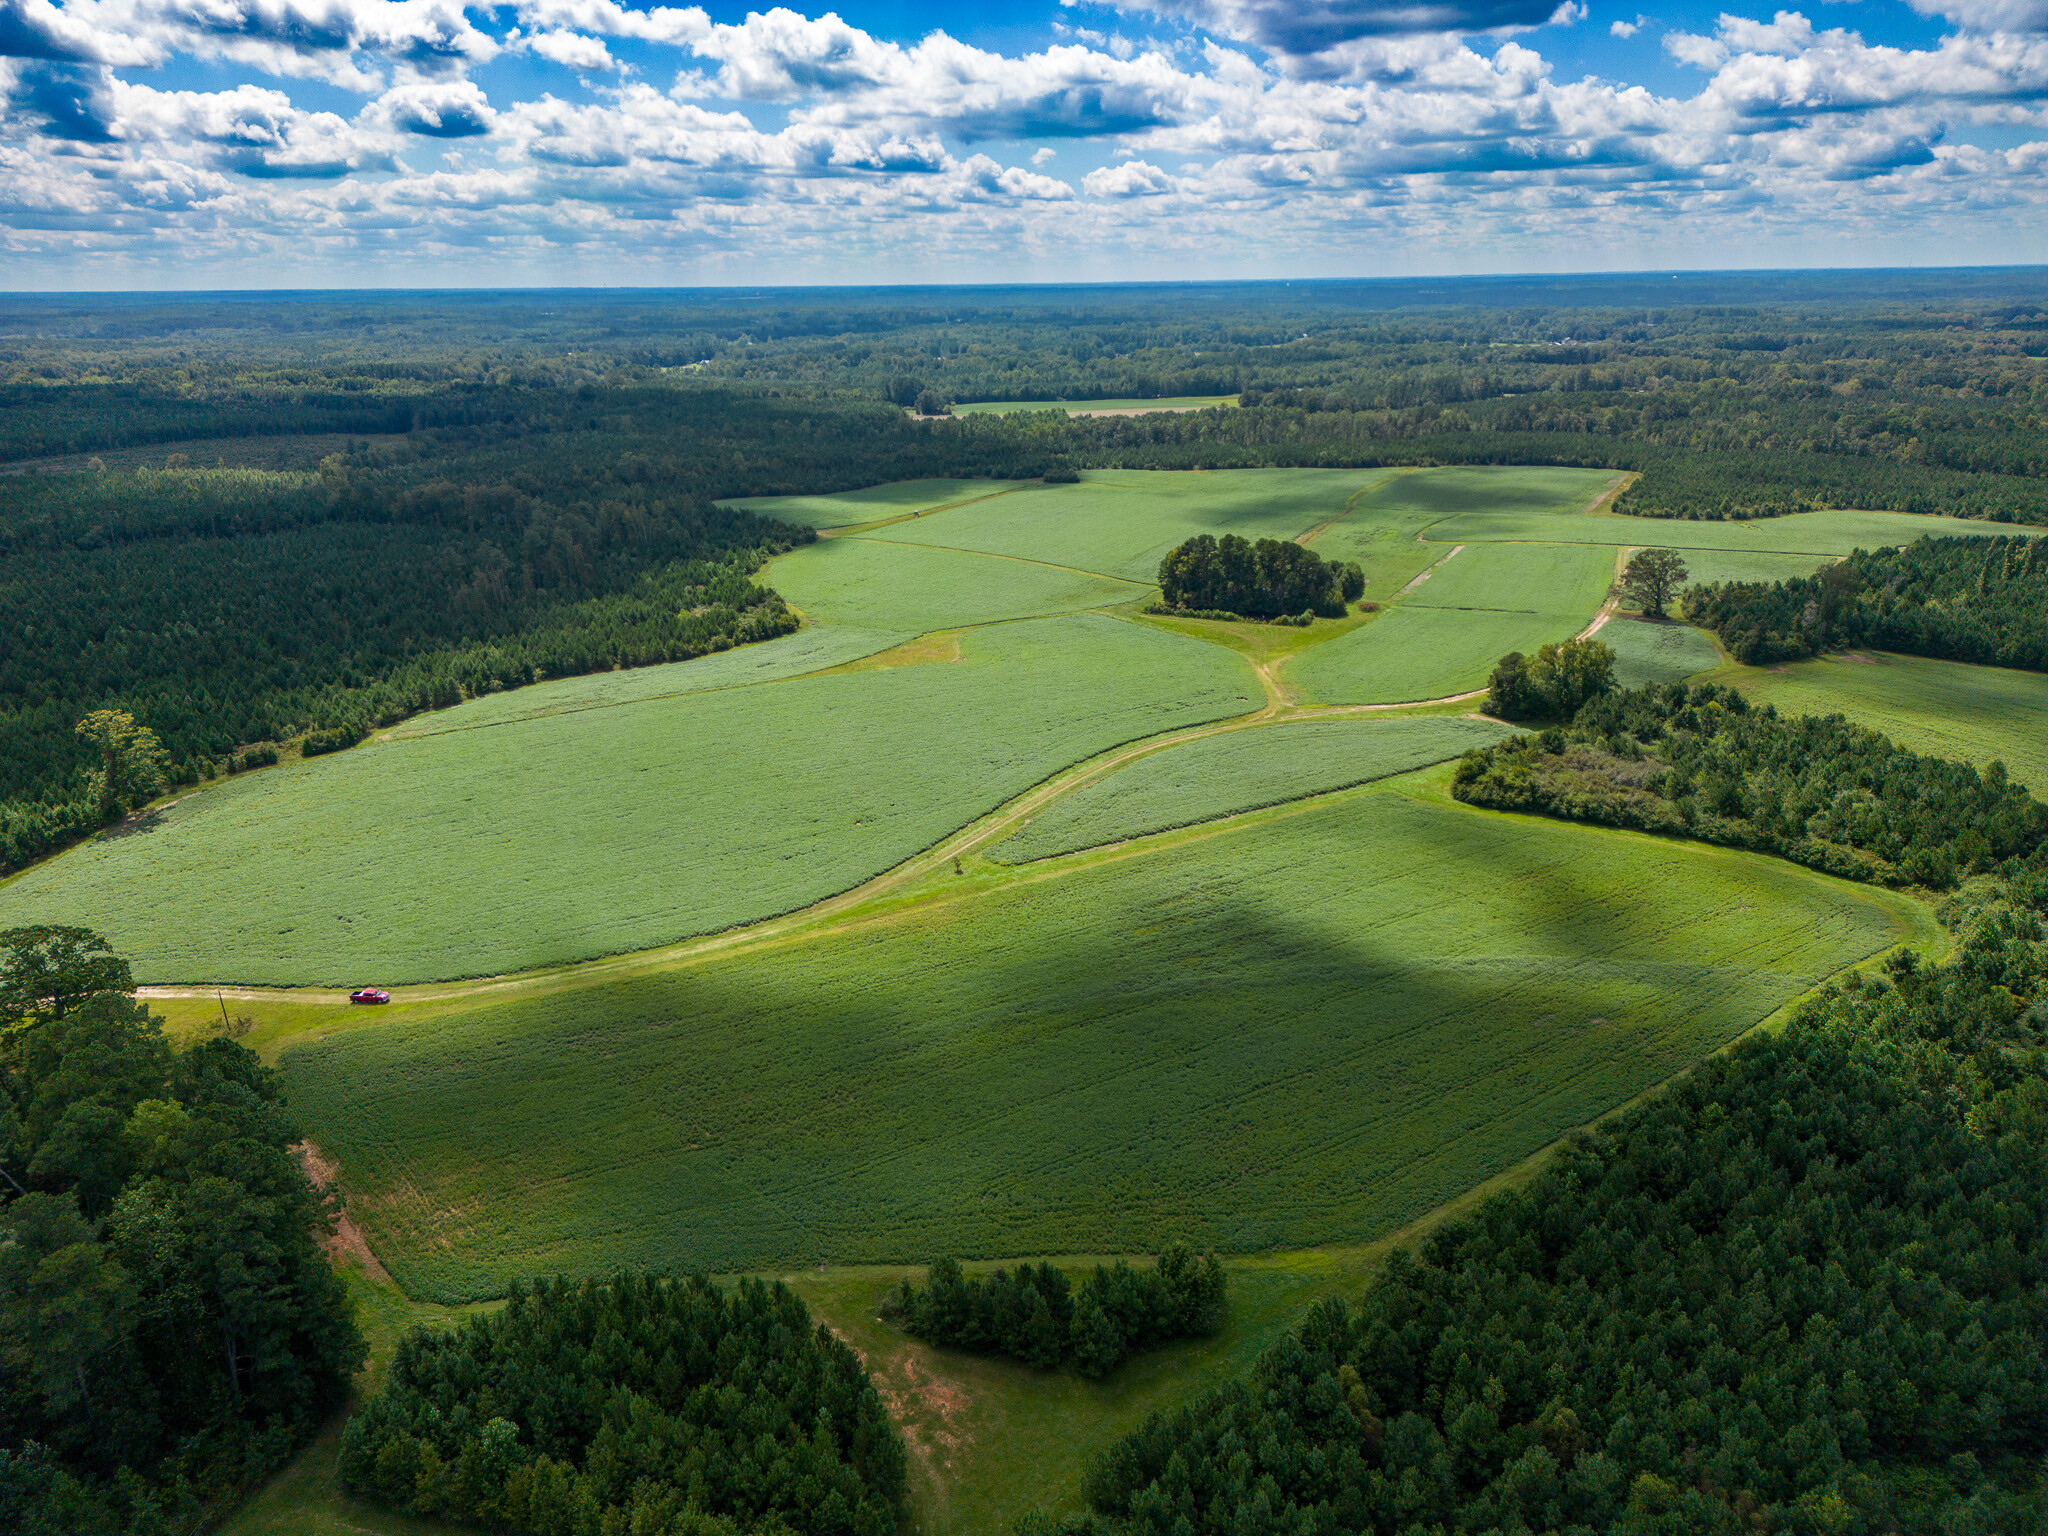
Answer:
x=1098 y=407
x=537 y=841
x=1945 y=708
x=1241 y=771
x=1286 y=1031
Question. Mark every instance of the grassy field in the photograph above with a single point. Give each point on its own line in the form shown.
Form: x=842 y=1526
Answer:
x=811 y=649
x=1287 y=1031
x=845 y=508
x=881 y=583
x=1177 y=403
x=1705 y=567
x=1944 y=708
x=537 y=841
x=1446 y=635
x=1646 y=653
x=1121 y=522
x=1240 y=771
x=1802 y=533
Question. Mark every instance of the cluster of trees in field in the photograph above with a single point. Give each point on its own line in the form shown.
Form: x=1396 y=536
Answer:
x=1554 y=684
x=1960 y=599
x=1033 y=1315
x=1699 y=762
x=169 y=1323
x=649 y=1405
x=1264 y=580
x=1805 y=1289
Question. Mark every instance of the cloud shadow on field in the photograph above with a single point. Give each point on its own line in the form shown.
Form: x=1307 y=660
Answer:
x=1249 y=1045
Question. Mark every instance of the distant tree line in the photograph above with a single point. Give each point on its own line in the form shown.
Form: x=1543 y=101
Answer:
x=1804 y=1289
x=1032 y=1315
x=170 y=1326
x=1960 y=599
x=647 y=1405
x=1266 y=580
x=1700 y=762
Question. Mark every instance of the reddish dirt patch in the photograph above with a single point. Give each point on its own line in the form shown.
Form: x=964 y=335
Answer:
x=1868 y=661
x=347 y=1245
x=922 y=1406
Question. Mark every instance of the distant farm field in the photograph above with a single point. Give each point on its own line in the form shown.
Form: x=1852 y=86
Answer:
x=1800 y=533
x=1291 y=1030
x=1085 y=407
x=1121 y=522
x=1241 y=771
x=1944 y=708
x=891 y=584
x=563 y=836
x=844 y=508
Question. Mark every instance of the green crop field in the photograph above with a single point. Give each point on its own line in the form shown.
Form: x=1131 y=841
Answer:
x=1945 y=708
x=1646 y=653
x=1121 y=522
x=1445 y=636
x=537 y=841
x=845 y=508
x=1801 y=533
x=810 y=649
x=1705 y=567
x=883 y=584
x=1240 y=771
x=1290 y=1030
x=1177 y=403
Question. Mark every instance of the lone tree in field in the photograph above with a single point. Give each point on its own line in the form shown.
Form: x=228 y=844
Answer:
x=1651 y=578
x=132 y=762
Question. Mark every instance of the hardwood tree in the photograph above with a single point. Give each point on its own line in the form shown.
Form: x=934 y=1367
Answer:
x=1651 y=579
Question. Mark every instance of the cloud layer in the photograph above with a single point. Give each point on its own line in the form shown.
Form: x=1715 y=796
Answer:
x=1243 y=136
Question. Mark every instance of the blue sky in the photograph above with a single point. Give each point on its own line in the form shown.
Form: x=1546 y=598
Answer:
x=260 y=143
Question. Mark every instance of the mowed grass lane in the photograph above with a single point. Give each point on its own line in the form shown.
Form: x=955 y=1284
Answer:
x=1301 y=1028
x=566 y=836
x=1943 y=708
x=1446 y=635
x=1216 y=776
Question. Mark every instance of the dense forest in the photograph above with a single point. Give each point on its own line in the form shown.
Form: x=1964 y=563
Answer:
x=1034 y=1316
x=169 y=1322
x=1699 y=762
x=1969 y=599
x=647 y=1405
x=1805 y=1289
x=1265 y=580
